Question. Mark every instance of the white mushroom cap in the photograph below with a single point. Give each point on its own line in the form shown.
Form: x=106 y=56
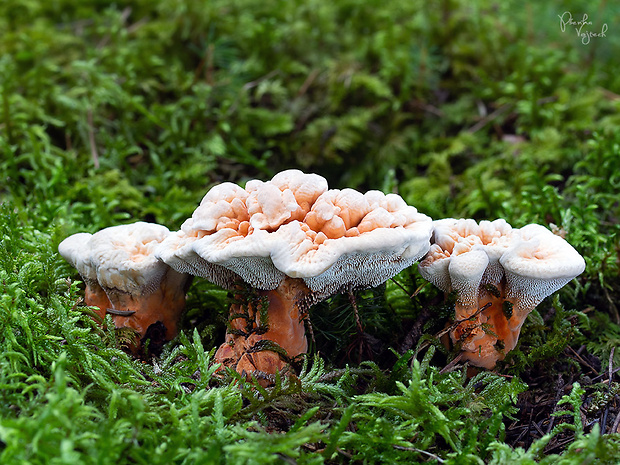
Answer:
x=352 y=239
x=331 y=239
x=248 y=257
x=123 y=256
x=305 y=187
x=453 y=238
x=119 y=257
x=270 y=207
x=287 y=197
x=222 y=207
x=434 y=268
x=466 y=271
x=177 y=252
x=496 y=237
x=367 y=260
x=538 y=264
x=534 y=261
x=75 y=250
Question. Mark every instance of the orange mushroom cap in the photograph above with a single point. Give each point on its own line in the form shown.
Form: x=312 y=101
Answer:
x=330 y=238
x=538 y=264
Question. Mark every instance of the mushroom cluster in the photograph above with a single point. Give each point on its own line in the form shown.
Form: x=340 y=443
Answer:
x=124 y=279
x=296 y=242
x=499 y=274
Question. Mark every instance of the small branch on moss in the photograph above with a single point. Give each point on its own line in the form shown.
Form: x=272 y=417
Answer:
x=415 y=293
x=610 y=373
x=595 y=379
x=582 y=361
x=123 y=19
x=91 y=138
x=490 y=117
x=609 y=94
x=308 y=82
x=558 y=393
x=614 y=428
x=353 y=302
x=250 y=85
x=453 y=326
x=416 y=331
x=610 y=368
x=450 y=366
x=613 y=307
x=286 y=458
x=419 y=451
x=7 y=115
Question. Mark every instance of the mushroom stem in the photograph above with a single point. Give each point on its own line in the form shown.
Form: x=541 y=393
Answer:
x=259 y=341
x=95 y=296
x=140 y=312
x=486 y=337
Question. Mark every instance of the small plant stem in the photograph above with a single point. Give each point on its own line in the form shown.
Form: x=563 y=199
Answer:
x=91 y=139
x=614 y=428
x=420 y=451
x=355 y=310
x=7 y=114
x=448 y=368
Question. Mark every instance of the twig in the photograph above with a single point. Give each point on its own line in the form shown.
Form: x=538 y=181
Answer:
x=538 y=428
x=355 y=310
x=490 y=117
x=524 y=430
x=250 y=85
x=560 y=388
x=344 y=452
x=614 y=428
x=311 y=331
x=415 y=293
x=360 y=329
x=308 y=82
x=91 y=138
x=603 y=374
x=612 y=305
x=610 y=371
x=400 y=285
x=416 y=330
x=287 y=459
x=428 y=108
x=123 y=19
x=452 y=364
x=454 y=325
x=419 y=451
x=609 y=94
x=582 y=361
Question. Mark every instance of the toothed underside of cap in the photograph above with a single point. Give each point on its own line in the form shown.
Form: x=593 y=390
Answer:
x=359 y=271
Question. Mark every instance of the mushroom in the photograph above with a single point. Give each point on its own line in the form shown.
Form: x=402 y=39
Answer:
x=125 y=280
x=303 y=243
x=499 y=275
